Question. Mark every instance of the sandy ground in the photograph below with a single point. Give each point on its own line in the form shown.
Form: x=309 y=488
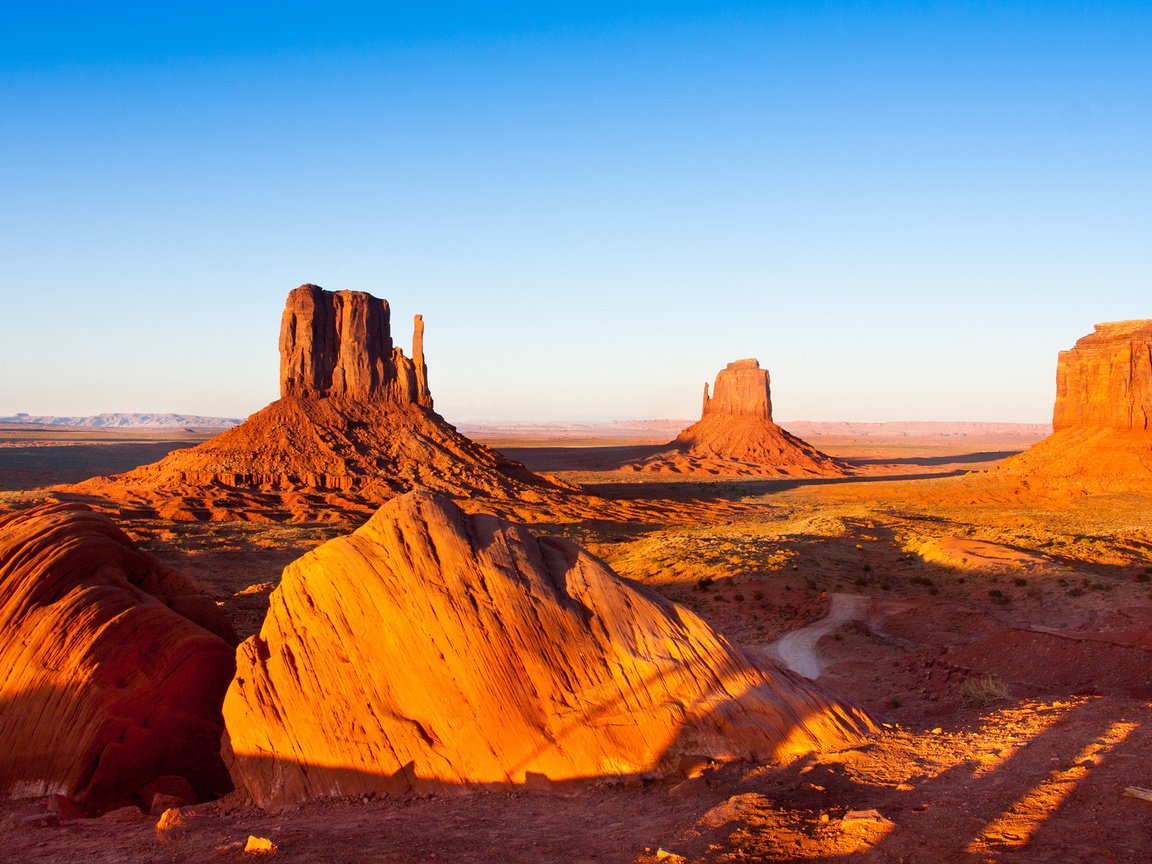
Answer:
x=1004 y=648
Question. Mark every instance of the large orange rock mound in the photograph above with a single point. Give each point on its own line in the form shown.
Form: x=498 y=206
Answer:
x=104 y=686
x=353 y=427
x=434 y=647
x=1102 y=439
x=736 y=435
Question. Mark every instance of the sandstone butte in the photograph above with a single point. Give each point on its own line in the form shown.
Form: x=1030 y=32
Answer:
x=736 y=435
x=1102 y=439
x=432 y=648
x=354 y=426
x=112 y=665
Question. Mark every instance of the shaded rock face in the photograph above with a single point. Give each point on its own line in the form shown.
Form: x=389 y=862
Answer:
x=339 y=344
x=104 y=686
x=1105 y=380
x=736 y=435
x=435 y=648
x=1101 y=440
x=742 y=389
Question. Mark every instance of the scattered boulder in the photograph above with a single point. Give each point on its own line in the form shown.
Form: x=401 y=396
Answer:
x=434 y=648
x=104 y=686
x=737 y=436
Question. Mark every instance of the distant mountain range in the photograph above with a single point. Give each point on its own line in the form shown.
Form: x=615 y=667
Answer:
x=129 y=421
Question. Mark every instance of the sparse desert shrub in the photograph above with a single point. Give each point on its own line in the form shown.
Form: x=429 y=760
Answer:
x=982 y=691
x=758 y=595
x=703 y=583
x=1076 y=592
x=1020 y=581
x=894 y=702
x=995 y=593
x=1144 y=577
x=739 y=598
x=860 y=580
x=867 y=568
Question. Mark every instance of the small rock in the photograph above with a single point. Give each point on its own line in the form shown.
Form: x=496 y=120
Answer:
x=259 y=846
x=937 y=731
x=864 y=819
x=811 y=787
x=688 y=788
x=670 y=857
x=173 y=825
x=64 y=807
x=124 y=814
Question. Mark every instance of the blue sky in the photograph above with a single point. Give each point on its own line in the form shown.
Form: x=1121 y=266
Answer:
x=904 y=210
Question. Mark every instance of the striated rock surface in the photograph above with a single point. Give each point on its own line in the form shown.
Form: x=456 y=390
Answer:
x=111 y=667
x=736 y=435
x=353 y=427
x=339 y=344
x=1105 y=380
x=1102 y=440
x=431 y=647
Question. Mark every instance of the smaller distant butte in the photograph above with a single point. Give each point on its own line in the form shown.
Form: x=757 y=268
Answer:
x=737 y=437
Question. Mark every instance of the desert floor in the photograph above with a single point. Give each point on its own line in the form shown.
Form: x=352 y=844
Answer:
x=1004 y=646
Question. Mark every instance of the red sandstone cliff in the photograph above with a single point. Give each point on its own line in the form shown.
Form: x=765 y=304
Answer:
x=1102 y=440
x=736 y=435
x=109 y=675
x=431 y=647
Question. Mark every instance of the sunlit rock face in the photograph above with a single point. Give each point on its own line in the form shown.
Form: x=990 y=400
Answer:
x=1102 y=440
x=1105 y=380
x=736 y=435
x=112 y=665
x=354 y=426
x=432 y=647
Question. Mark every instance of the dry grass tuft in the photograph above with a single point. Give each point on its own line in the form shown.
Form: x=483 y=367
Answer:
x=983 y=690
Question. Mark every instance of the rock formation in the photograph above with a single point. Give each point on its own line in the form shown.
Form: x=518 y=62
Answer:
x=431 y=647
x=736 y=435
x=110 y=678
x=1101 y=440
x=353 y=427
x=339 y=345
x=1105 y=380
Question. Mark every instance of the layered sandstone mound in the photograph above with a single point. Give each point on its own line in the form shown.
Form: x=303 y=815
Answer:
x=353 y=427
x=1102 y=438
x=111 y=669
x=433 y=647
x=736 y=435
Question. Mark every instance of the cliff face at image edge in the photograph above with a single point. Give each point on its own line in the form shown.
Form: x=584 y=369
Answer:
x=1105 y=380
x=736 y=436
x=434 y=648
x=109 y=675
x=1102 y=440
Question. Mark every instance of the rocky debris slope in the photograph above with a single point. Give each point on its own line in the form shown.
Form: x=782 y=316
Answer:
x=353 y=427
x=1101 y=440
x=435 y=648
x=736 y=435
x=112 y=665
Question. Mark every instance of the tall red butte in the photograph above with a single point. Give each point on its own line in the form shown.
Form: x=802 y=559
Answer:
x=353 y=427
x=736 y=435
x=1102 y=436
x=436 y=648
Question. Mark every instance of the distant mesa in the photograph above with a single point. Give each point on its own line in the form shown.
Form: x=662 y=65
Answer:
x=112 y=666
x=354 y=426
x=185 y=422
x=736 y=435
x=1102 y=437
x=435 y=648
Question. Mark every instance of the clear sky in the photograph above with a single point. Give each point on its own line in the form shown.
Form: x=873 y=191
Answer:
x=904 y=210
